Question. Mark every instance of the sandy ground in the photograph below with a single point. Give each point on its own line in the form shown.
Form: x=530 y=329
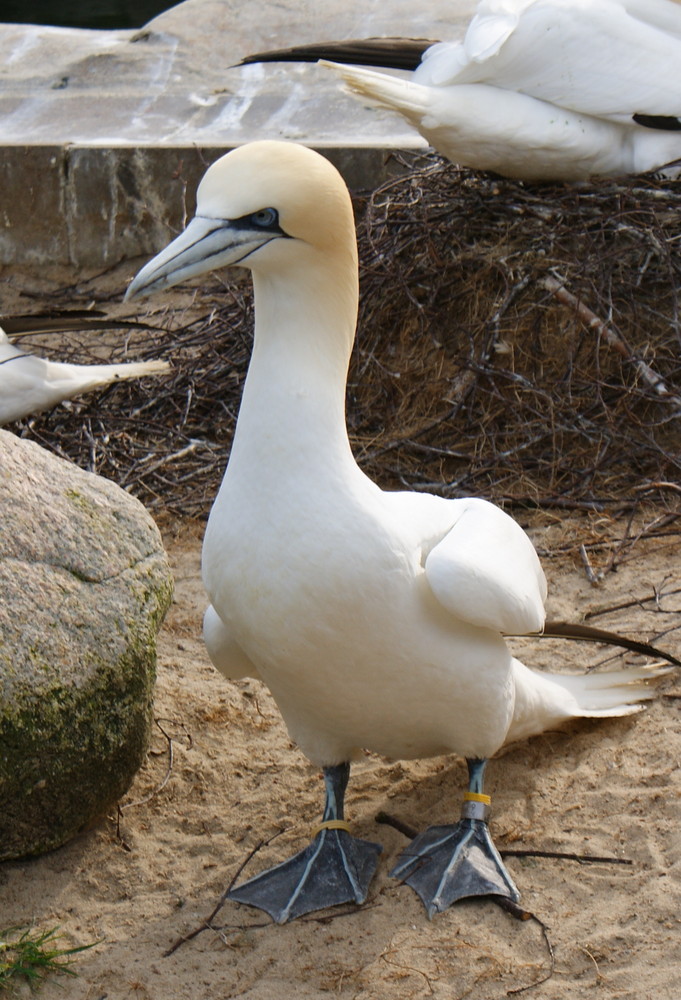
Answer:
x=222 y=776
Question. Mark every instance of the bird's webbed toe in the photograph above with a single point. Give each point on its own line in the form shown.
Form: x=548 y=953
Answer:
x=446 y=863
x=334 y=868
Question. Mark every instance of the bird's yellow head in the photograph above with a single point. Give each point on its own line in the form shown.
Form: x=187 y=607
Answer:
x=260 y=206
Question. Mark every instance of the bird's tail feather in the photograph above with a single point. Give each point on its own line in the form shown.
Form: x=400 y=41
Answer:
x=409 y=99
x=545 y=701
x=612 y=692
x=136 y=369
x=82 y=378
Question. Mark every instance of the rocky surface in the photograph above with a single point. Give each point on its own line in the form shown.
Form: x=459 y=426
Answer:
x=105 y=134
x=84 y=585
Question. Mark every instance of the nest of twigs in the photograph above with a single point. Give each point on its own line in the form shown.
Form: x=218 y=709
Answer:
x=516 y=342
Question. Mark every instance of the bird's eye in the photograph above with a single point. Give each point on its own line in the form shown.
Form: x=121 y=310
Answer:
x=265 y=218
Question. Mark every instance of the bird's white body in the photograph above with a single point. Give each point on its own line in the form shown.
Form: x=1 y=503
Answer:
x=29 y=384
x=375 y=618
x=356 y=649
x=547 y=89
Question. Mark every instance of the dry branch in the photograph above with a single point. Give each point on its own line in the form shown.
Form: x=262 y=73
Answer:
x=651 y=378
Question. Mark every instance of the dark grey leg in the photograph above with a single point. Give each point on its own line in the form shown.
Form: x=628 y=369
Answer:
x=334 y=868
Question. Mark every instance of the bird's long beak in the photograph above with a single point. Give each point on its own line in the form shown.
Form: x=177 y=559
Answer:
x=206 y=244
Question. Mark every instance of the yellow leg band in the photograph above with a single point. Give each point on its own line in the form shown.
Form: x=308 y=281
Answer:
x=331 y=824
x=477 y=797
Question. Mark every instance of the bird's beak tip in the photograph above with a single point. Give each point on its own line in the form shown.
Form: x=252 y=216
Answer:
x=136 y=290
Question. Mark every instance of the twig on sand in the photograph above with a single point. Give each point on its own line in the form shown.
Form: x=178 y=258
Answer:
x=159 y=788
x=207 y=924
x=552 y=960
x=635 y=602
x=410 y=832
x=508 y=905
x=591 y=575
x=582 y=859
x=397 y=824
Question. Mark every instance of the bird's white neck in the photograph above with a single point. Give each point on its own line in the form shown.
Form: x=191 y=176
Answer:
x=292 y=413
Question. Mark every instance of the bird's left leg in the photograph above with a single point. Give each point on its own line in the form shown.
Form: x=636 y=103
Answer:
x=334 y=868
x=446 y=863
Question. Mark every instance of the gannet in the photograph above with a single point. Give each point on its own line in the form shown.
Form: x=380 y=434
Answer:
x=29 y=384
x=538 y=89
x=375 y=618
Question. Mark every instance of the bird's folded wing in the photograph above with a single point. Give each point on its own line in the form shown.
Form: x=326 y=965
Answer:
x=595 y=58
x=225 y=653
x=485 y=571
x=489 y=29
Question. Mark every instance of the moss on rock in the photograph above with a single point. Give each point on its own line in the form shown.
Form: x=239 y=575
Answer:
x=84 y=587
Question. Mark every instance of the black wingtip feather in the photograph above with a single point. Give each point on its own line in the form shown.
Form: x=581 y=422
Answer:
x=389 y=53
x=586 y=633
x=663 y=123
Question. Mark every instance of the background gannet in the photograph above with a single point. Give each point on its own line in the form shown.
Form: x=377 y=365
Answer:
x=374 y=618
x=537 y=90
x=29 y=383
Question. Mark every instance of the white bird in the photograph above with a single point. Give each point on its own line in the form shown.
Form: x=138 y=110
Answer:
x=375 y=618
x=29 y=384
x=538 y=89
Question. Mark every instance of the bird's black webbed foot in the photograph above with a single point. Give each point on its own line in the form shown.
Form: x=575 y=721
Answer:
x=334 y=868
x=446 y=863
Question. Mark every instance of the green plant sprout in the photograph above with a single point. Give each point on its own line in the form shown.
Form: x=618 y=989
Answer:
x=34 y=956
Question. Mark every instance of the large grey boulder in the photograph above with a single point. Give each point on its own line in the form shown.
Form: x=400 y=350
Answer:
x=84 y=586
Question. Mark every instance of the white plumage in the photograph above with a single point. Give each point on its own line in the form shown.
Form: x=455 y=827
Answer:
x=375 y=618
x=29 y=384
x=545 y=89
x=606 y=58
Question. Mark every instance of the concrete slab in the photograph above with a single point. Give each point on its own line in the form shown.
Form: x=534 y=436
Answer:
x=102 y=132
